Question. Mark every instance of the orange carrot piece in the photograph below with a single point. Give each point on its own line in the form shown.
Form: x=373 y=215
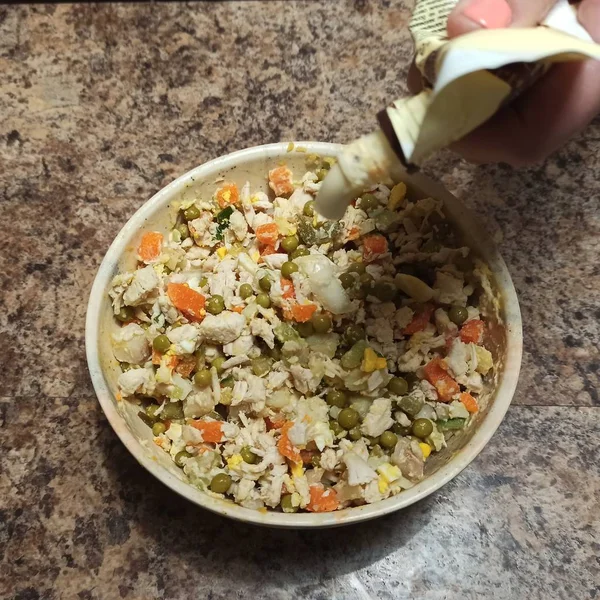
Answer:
x=227 y=195
x=287 y=288
x=303 y=312
x=285 y=447
x=322 y=500
x=354 y=234
x=185 y=365
x=150 y=246
x=437 y=375
x=373 y=246
x=274 y=423
x=472 y=332
x=188 y=301
x=156 y=356
x=267 y=234
x=268 y=249
x=419 y=320
x=469 y=402
x=211 y=430
x=237 y=309
x=173 y=362
x=280 y=181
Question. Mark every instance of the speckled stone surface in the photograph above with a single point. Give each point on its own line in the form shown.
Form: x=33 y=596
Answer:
x=100 y=106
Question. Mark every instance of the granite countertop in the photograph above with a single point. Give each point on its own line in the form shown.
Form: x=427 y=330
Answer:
x=103 y=105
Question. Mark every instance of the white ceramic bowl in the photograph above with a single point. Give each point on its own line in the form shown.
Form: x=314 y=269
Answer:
x=158 y=214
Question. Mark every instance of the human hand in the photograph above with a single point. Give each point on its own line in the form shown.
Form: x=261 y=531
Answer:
x=553 y=110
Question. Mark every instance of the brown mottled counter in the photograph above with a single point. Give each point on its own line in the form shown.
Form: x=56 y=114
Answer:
x=100 y=106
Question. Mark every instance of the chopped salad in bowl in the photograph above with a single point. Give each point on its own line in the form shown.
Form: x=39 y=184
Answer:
x=285 y=370
x=289 y=363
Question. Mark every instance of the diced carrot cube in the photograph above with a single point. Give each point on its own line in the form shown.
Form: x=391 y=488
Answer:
x=285 y=447
x=274 y=423
x=472 y=332
x=374 y=246
x=280 y=181
x=150 y=246
x=211 y=430
x=188 y=301
x=469 y=402
x=267 y=234
x=437 y=374
x=322 y=500
x=419 y=320
x=238 y=309
x=303 y=312
x=287 y=288
x=227 y=195
x=185 y=365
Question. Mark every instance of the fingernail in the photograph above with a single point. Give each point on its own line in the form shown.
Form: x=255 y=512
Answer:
x=589 y=16
x=491 y=14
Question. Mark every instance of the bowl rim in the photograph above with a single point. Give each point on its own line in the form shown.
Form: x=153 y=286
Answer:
x=485 y=430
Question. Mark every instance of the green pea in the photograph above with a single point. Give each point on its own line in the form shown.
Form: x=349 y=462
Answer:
x=125 y=314
x=401 y=429
x=422 y=428
x=184 y=231
x=161 y=343
x=336 y=398
x=384 y=291
x=203 y=378
x=249 y=456
x=335 y=427
x=355 y=434
x=305 y=329
x=228 y=382
x=203 y=282
x=191 y=213
x=220 y=483
x=263 y=300
x=354 y=334
x=458 y=315
x=366 y=279
x=411 y=405
x=215 y=304
x=172 y=410
x=353 y=358
x=158 y=429
x=368 y=202
x=287 y=268
x=151 y=411
x=217 y=363
x=287 y=505
x=321 y=323
x=309 y=209
x=290 y=243
x=180 y=456
x=298 y=252
x=388 y=439
x=398 y=386
x=265 y=284
x=357 y=267
x=347 y=280
x=348 y=418
x=246 y=290
x=261 y=365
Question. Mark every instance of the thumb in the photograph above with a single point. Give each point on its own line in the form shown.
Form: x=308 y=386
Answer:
x=470 y=15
